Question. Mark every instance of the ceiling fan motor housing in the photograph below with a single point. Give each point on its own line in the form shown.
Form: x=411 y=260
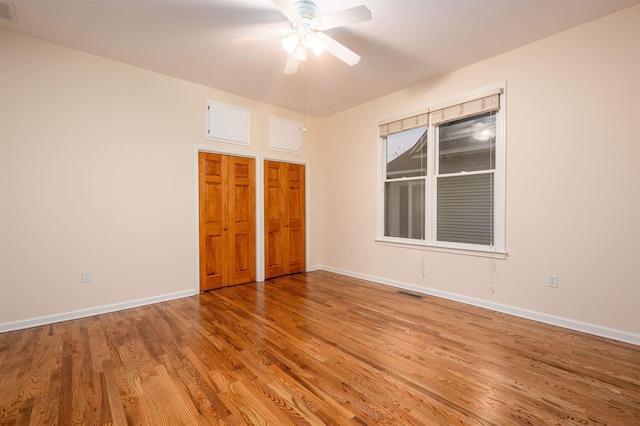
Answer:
x=307 y=9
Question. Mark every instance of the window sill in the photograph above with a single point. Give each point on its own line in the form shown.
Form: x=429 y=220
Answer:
x=454 y=250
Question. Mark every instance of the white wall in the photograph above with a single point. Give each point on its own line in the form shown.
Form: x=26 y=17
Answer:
x=573 y=181
x=97 y=173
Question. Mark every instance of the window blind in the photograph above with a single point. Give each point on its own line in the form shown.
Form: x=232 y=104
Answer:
x=402 y=124
x=392 y=210
x=478 y=104
x=446 y=113
x=465 y=209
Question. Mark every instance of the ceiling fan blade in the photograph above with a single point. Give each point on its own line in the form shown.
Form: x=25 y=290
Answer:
x=261 y=36
x=345 y=17
x=292 y=65
x=338 y=50
x=287 y=9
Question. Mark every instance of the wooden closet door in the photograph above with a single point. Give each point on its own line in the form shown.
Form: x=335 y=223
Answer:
x=295 y=225
x=274 y=214
x=242 y=221
x=284 y=218
x=213 y=200
x=226 y=187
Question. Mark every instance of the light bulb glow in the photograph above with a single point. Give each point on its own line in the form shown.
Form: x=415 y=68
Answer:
x=318 y=47
x=300 y=53
x=290 y=43
x=303 y=38
x=483 y=132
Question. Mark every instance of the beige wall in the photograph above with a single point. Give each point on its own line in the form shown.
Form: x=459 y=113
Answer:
x=97 y=173
x=573 y=185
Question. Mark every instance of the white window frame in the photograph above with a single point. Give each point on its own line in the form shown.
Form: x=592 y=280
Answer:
x=498 y=249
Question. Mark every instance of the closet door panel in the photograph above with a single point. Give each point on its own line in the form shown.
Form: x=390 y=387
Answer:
x=274 y=219
x=213 y=208
x=242 y=227
x=295 y=226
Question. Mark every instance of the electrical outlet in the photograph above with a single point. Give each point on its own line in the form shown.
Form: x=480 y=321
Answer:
x=350 y=252
x=552 y=281
x=86 y=277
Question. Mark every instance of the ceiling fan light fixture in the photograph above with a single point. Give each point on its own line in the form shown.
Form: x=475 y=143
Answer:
x=300 y=52
x=298 y=43
x=314 y=43
x=305 y=31
x=290 y=43
x=318 y=47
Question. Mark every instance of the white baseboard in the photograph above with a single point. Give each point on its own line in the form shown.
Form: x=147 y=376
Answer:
x=596 y=330
x=83 y=313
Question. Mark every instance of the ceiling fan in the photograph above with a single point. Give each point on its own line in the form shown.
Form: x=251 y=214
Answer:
x=305 y=32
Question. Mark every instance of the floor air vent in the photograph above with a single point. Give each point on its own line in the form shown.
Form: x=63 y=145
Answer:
x=415 y=296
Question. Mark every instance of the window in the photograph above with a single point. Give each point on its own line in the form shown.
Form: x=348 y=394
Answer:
x=442 y=182
x=406 y=170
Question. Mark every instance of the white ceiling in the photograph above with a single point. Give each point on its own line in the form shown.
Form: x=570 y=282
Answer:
x=406 y=42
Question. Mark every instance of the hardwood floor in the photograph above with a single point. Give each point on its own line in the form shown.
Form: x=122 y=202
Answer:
x=315 y=348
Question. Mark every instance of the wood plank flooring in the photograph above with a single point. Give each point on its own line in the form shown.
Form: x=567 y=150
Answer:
x=318 y=349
